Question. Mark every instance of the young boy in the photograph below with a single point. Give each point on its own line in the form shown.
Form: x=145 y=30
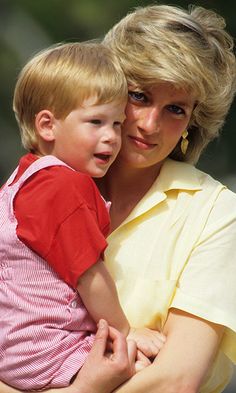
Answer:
x=69 y=102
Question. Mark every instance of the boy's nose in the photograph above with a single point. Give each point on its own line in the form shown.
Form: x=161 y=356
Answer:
x=111 y=135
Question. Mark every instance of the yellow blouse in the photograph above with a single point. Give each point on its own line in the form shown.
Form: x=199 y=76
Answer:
x=177 y=249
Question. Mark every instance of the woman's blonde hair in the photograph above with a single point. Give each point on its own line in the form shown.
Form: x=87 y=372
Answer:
x=60 y=78
x=190 y=49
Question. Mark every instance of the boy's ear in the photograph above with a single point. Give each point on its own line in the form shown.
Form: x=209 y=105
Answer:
x=44 y=124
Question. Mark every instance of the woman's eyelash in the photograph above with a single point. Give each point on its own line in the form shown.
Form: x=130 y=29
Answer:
x=176 y=109
x=141 y=97
x=136 y=95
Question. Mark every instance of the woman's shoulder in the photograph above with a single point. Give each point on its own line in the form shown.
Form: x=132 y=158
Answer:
x=199 y=179
x=207 y=181
x=217 y=197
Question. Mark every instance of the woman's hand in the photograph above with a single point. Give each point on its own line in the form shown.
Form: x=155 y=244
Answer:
x=102 y=372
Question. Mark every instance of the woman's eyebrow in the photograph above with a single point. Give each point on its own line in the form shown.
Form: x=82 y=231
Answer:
x=183 y=104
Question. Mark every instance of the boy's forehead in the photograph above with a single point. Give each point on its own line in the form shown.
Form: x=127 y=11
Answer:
x=89 y=101
x=92 y=107
x=94 y=102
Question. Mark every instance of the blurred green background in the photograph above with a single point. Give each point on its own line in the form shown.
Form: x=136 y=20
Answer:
x=27 y=26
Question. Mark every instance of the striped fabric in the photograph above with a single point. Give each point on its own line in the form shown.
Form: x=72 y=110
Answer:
x=45 y=330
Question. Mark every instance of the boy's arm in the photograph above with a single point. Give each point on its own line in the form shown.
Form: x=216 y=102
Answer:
x=99 y=295
x=98 y=292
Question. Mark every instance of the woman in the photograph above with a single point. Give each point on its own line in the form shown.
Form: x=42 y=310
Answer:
x=172 y=250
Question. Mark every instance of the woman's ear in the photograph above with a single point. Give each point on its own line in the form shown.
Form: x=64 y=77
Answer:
x=44 y=124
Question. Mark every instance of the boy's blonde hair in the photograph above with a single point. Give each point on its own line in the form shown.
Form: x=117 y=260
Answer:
x=60 y=78
x=190 y=49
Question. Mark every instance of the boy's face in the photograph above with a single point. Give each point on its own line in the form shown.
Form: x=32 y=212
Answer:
x=89 y=138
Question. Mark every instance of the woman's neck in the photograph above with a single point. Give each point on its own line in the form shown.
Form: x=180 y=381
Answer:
x=125 y=187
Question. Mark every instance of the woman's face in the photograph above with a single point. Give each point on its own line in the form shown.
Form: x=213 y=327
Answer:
x=155 y=121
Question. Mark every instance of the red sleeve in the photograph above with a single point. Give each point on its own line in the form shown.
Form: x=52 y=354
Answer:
x=62 y=217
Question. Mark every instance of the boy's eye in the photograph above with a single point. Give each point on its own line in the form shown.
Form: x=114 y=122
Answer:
x=117 y=123
x=95 y=121
x=176 y=109
x=137 y=96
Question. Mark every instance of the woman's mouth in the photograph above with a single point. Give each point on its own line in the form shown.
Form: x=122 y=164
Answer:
x=142 y=143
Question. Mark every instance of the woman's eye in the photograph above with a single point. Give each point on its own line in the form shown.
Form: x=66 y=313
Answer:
x=95 y=121
x=137 y=96
x=176 y=109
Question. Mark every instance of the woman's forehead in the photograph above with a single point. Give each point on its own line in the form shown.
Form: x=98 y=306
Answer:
x=184 y=93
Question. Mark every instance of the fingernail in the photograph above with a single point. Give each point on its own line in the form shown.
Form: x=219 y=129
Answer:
x=101 y=323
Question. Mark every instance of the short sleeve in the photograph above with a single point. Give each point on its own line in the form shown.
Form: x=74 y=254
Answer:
x=207 y=285
x=78 y=244
x=62 y=217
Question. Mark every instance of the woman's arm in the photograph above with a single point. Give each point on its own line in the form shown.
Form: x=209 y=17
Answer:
x=184 y=360
x=100 y=373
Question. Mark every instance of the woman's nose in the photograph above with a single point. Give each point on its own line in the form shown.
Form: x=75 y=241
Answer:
x=150 y=120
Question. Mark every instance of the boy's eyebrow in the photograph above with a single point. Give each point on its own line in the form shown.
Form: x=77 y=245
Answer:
x=96 y=114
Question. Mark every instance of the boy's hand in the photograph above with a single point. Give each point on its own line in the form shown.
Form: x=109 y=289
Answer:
x=141 y=362
x=148 y=341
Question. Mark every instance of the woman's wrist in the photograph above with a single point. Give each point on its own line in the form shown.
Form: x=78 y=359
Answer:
x=103 y=371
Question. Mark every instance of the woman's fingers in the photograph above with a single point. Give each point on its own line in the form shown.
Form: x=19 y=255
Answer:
x=101 y=337
x=132 y=355
x=102 y=372
x=123 y=352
